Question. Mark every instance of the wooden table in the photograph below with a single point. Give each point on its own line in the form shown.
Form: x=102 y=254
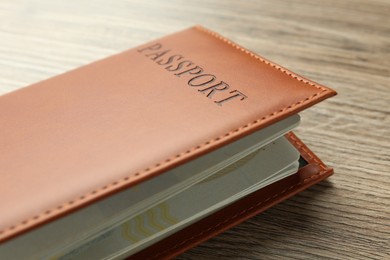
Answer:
x=344 y=44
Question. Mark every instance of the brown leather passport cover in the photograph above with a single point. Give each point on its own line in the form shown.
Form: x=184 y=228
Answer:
x=71 y=140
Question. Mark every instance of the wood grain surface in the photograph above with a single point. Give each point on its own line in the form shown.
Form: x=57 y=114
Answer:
x=343 y=44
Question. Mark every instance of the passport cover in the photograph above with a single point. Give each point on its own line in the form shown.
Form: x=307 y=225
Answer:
x=73 y=139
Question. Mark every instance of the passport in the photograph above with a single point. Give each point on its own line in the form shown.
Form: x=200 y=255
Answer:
x=147 y=153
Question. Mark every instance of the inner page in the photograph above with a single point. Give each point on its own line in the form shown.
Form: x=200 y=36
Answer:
x=277 y=160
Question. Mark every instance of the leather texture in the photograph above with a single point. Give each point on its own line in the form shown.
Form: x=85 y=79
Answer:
x=70 y=140
x=241 y=210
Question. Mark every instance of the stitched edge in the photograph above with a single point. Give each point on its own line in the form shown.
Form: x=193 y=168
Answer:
x=253 y=55
x=130 y=177
x=305 y=150
x=302 y=147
